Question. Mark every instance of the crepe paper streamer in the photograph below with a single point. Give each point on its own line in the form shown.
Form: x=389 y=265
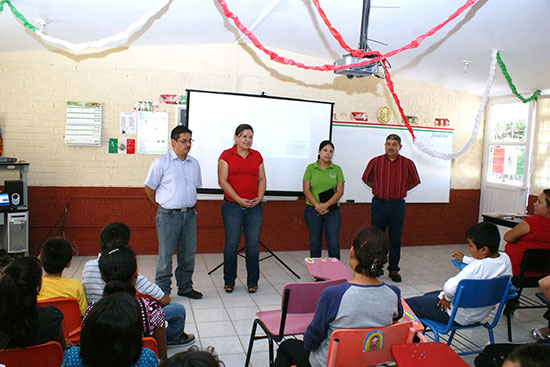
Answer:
x=283 y=60
x=18 y=15
x=78 y=47
x=396 y=99
x=512 y=86
x=421 y=145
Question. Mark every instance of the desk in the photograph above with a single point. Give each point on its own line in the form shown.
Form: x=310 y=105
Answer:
x=509 y=221
x=425 y=354
x=327 y=268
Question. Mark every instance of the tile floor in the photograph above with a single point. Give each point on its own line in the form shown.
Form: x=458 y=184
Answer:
x=225 y=320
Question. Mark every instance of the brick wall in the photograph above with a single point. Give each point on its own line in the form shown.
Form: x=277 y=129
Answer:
x=90 y=208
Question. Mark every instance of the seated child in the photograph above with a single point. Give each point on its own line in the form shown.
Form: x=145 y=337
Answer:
x=115 y=235
x=194 y=357
x=362 y=302
x=56 y=255
x=486 y=263
x=529 y=355
x=111 y=336
x=543 y=333
x=22 y=322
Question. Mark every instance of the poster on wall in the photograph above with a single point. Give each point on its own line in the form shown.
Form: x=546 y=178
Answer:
x=152 y=132
x=83 y=126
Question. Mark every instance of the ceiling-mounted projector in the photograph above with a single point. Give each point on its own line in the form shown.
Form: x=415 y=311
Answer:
x=375 y=68
x=358 y=71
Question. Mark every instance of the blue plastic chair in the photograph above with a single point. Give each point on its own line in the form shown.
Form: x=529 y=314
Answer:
x=473 y=293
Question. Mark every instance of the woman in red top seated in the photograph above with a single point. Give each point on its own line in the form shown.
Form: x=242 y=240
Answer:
x=241 y=175
x=532 y=233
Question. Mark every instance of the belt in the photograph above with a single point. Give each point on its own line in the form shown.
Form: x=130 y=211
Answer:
x=390 y=200
x=183 y=210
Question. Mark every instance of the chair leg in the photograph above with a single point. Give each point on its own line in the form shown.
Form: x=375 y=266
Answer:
x=509 y=326
x=491 y=336
x=451 y=336
x=251 y=343
x=271 y=359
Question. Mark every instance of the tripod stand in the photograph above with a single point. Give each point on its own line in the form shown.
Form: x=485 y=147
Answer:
x=271 y=254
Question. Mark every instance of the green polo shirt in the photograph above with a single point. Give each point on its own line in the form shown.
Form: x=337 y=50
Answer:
x=322 y=180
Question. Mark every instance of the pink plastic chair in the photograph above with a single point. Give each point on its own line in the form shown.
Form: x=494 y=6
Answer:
x=298 y=306
x=366 y=347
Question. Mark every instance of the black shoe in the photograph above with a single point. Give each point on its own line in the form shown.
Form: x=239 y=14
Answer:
x=394 y=275
x=186 y=339
x=191 y=294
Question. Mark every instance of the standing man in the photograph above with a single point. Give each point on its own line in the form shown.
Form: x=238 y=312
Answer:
x=390 y=176
x=171 y=184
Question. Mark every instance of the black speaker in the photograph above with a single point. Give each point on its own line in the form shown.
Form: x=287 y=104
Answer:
x=15 y=191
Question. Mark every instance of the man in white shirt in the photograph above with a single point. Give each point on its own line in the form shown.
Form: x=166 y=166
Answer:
x=172 y=184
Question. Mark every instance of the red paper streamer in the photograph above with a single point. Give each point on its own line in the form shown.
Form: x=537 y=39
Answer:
x=283 y=60
x=356 y=53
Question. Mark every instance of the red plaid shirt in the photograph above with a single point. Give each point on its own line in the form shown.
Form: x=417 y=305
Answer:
x=391 y=179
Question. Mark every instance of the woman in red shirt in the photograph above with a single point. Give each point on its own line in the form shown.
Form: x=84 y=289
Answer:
x=241 y=175
x=533 y=232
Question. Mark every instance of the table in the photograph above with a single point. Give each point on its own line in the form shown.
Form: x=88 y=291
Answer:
x=509 y=221
x=327 y=268
x=426 y=354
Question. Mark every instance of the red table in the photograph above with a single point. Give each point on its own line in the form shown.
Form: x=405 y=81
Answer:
x=426 y=354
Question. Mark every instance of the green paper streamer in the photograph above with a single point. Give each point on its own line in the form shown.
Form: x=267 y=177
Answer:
x=18 y=15
x=512 y=86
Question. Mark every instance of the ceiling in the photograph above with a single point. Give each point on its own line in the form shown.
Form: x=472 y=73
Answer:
x=519 y=29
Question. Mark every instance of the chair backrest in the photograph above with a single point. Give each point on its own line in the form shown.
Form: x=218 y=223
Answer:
x=43 y=355
x=151 y=343
x=72 y=322
x=303 y=297
x=535 y=260
x=473 y=293
x=366 y=347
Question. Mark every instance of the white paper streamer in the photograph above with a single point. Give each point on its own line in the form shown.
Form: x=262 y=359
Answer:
x=123 y=36
x=446 y=156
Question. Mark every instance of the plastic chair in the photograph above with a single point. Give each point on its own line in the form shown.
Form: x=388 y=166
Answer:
x=533 y=260
x=43 y=355
x=151 y=343
x=425 y=354
x=72 y=322
x=473 y=293
x=297 y=308
x=366 y=347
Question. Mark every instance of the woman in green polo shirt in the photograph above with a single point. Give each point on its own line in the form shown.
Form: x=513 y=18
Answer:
x=323 y=186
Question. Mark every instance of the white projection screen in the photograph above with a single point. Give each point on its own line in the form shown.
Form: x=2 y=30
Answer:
x=287 y=133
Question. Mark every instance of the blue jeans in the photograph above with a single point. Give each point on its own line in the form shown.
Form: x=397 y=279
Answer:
x=249 y=221
x=316 y=223
x=392 y=216
x=426 y=307
x=174 y=313
x=176 y=229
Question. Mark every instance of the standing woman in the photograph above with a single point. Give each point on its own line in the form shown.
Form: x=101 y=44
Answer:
x=323 y=186
x=241 y=175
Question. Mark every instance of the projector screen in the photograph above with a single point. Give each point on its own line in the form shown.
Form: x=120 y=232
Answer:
x=287 y=133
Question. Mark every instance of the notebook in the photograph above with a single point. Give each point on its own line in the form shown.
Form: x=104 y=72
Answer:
x=325 y=196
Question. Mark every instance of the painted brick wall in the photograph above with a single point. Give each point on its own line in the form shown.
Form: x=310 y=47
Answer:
x=90 y=208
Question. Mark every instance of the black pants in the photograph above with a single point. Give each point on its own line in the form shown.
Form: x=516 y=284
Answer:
x=292 y=352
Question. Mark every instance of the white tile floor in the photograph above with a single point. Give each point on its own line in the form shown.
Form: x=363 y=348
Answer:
x=225 y=320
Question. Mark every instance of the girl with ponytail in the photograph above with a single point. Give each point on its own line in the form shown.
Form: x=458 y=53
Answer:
x=22 y=322
x=362 y=302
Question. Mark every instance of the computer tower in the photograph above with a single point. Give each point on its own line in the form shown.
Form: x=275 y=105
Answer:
x=15 y=232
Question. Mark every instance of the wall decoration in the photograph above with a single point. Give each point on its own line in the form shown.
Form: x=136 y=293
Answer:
x=384 y=115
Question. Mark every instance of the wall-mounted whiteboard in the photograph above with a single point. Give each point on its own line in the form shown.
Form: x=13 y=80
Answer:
x=287 y=133
x=356 y=143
